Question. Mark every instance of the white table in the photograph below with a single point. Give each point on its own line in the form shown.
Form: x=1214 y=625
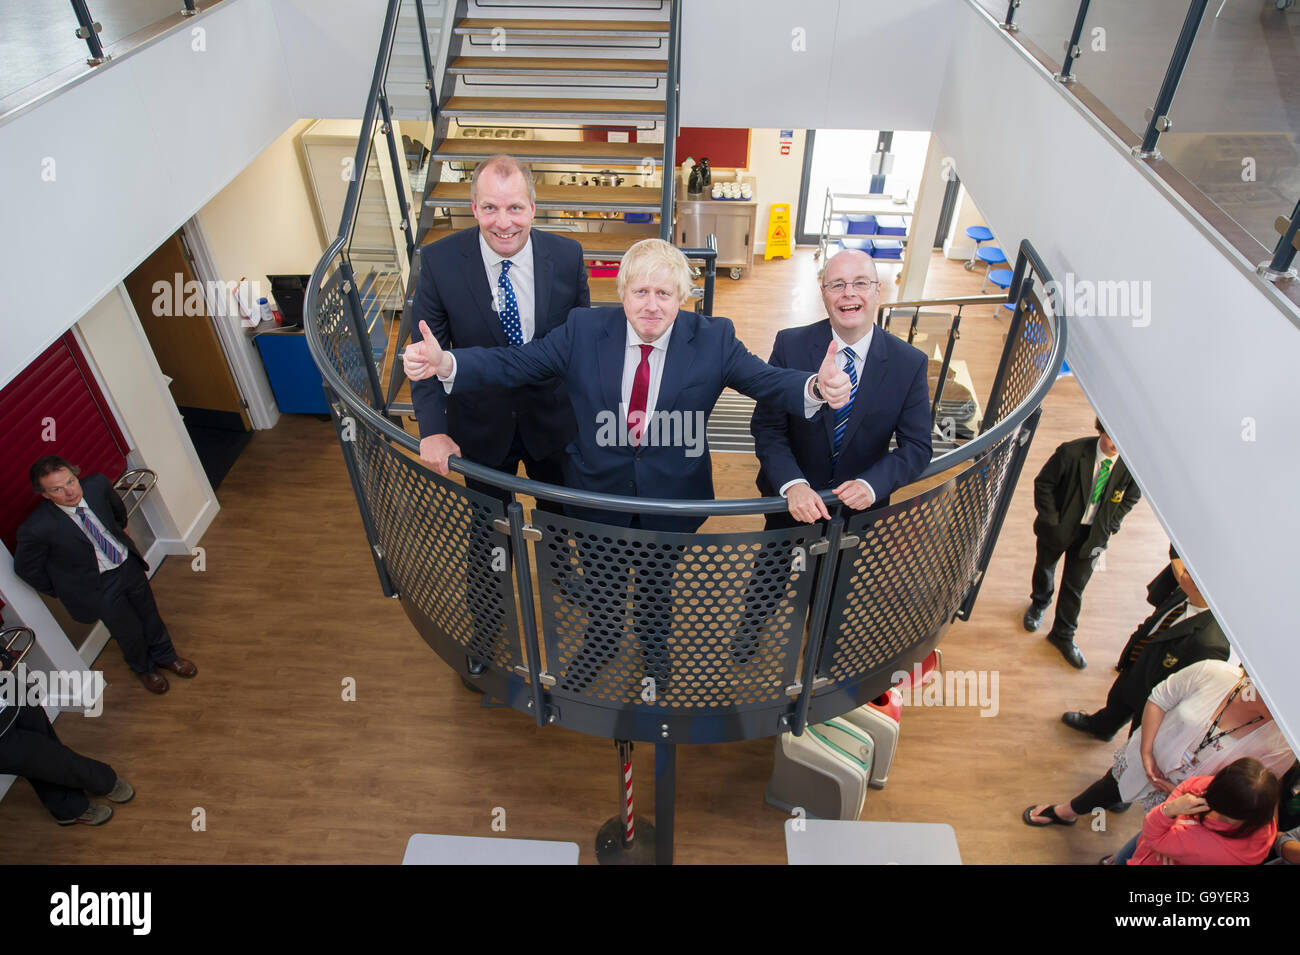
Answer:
x=835 y=842
x=426 y=849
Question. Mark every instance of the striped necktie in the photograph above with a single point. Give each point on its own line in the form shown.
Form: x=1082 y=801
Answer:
x=509 y=306
x=1171 y=618
x=842 y=414
x=112 y=553
x=1103 y=475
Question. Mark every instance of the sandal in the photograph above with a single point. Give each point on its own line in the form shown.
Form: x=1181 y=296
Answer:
x=1049 y=814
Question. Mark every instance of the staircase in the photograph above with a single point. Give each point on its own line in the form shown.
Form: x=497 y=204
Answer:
x=584 y=101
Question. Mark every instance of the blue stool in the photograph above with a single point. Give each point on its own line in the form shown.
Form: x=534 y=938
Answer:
x=999 y=277
x=991 y=256
x=980 y=234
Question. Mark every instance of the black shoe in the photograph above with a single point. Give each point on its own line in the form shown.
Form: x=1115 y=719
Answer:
x=1072 y=654
x=1119 y=807
x=1034 y=618
x=1083 y=723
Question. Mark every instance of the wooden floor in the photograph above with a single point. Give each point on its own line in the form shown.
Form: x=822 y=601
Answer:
x=288 y=608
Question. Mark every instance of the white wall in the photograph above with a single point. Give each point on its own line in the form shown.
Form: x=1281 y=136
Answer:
x=137 y=149
x=865 y=64
x=778 y=177
x=1178 y=391
x=327 y=53
x=116 y=343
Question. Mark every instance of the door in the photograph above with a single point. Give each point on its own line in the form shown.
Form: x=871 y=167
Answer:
x=173 y=309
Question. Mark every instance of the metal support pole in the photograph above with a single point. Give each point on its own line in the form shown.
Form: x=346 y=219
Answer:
x=954 y=333
x=1066 y=75
x=672 y=87
x=88 y=30
x=665 y=797
x=616 y=842
x=1282 y=265
x=1158 y=116
x=1009 y=24
x=1023 y=439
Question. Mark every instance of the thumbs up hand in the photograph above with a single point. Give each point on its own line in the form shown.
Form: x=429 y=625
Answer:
x=832 y=381
x=426 y=358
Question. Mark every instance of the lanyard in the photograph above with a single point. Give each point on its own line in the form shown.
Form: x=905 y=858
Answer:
x=1210 y=736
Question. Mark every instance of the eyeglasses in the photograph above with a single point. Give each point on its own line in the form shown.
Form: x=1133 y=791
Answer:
x=861 y=286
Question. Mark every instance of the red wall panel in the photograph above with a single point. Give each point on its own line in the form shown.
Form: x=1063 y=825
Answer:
x=56 y=385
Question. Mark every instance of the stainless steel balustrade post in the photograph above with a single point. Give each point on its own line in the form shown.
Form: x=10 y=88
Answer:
x=1158 y=120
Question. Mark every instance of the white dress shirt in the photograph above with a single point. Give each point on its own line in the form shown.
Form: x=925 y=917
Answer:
x=104 y=562
x=632 y=361
x=859 y=362
x=1091 y=510
x=521 y=277
x=1189 y=610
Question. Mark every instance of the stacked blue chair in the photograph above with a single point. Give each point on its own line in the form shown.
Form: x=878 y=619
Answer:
x=858 y=224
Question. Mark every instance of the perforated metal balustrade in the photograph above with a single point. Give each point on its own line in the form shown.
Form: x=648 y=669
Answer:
x=672 y=637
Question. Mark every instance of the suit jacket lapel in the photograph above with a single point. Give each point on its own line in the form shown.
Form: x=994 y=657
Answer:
x=543 y=275
x=677 y=363
x=480 y=293
x=1087 y=464
x=70 y=524
x=818 y=342
x=871 y=383
x=610 y=344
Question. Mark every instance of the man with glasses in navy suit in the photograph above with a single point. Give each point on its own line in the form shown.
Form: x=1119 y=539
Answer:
x=846 y=451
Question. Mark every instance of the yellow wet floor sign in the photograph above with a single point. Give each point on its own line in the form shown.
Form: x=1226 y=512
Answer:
x=778 y=231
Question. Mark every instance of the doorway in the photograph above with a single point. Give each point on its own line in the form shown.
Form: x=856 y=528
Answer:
x=173 y=308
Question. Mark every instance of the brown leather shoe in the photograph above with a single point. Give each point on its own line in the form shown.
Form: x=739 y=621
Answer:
x=181 y=668
x=153 y=681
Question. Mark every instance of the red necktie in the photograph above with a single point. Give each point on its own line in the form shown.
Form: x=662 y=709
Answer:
x=640 y=391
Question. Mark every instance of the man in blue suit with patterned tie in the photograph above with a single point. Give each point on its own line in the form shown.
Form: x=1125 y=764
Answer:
x=74 y=546
x=846 y=450
x=501 y=285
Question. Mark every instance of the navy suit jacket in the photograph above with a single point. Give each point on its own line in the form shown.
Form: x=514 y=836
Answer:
x=588 y=353
x=893 y=398
x=56 y=557
x=455 y=299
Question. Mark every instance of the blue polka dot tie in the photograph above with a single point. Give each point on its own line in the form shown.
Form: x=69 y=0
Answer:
x=842 y=414
x=508 y=306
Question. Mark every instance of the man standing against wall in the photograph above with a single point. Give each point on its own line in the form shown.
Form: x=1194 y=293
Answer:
x=75 y=547
x=1081 y=495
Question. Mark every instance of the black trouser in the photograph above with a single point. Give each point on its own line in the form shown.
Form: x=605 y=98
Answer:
x=481 y=561
x=59 y=775
x=1078 y=570
x=1104 y=793
x=605 y=597
x=128 y=610
x=1112 y=717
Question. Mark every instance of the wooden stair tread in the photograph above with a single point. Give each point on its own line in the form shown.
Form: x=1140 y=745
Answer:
x=516 y=105
x=539 y=64
x=564 y=27
x=563 y=197
x=595 y=245
x=543 y=150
